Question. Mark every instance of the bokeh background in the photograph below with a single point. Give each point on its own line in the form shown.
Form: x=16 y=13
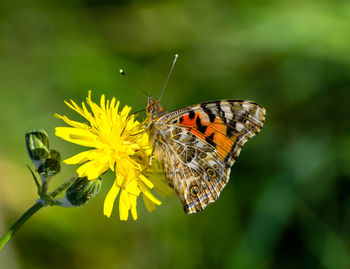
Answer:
x=287 y=204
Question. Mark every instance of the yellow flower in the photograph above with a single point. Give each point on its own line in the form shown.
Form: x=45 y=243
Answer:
x=119 y=143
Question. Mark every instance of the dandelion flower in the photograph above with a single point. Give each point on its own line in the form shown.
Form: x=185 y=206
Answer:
x=118 y=142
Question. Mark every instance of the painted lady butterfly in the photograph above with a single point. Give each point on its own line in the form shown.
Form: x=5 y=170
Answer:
x=197 y=145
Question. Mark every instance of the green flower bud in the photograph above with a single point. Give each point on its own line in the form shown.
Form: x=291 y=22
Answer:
x=81 y=191
x=52 y=165
x=37 y=143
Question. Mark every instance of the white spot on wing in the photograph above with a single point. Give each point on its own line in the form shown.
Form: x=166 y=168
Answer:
x=192 y=165
x=239 y=126
x=246 y=107
x=227 y=111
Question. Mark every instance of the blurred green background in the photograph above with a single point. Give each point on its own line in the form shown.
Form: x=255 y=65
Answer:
x=288 y=202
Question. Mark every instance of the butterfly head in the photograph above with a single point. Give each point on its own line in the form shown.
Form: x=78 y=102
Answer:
x=154 y=108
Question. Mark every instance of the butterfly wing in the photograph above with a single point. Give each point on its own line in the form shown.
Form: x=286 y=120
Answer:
x=197 y=146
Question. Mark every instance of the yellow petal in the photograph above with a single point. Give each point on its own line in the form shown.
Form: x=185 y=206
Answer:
x=148 y=193
x=80 y=157
x=87 y=114
x=161 y=187
x=124 y=205
x=75 y=107
x=119 y=180
x=92 y=170
x=102 y=102
x=148 y=203
x=145 y=180
x=132 y=188
x=109 y=200
x=77 y=136
x=72 y=123
x=133 y=202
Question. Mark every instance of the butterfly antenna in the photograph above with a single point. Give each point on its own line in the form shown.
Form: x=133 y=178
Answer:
x=167 y=79
x=121 y=71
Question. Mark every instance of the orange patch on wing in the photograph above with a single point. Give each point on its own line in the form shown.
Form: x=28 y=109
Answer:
x=216 y=131
x=198 y=134
x=185 y=120
x=223 y=143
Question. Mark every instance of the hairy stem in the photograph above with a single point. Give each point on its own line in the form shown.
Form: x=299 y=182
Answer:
x=64 y=186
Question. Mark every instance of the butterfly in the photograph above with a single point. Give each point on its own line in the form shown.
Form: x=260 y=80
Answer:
x=197 y=145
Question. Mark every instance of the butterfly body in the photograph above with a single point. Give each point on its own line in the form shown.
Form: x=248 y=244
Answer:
x=197 y=145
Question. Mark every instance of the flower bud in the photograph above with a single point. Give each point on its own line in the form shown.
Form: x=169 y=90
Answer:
x=81 y=191
x=37 y=143
x=52 y=165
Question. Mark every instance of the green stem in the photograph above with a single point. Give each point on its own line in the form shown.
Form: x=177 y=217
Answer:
x=64 y=186
x=30 y=212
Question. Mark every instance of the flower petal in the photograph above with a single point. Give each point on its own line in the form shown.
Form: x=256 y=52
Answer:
x=92 y=169
x=77 y=136
x=145 y=180
x=148 y=193
x=133 y=188
x=72 y=123
x=124 y=205
x=109 y=200
x=133 y=202
x=148 y=203
x=80 y=157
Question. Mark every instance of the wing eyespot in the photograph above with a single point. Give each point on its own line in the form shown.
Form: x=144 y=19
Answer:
x=195 y=191
x=211 y=173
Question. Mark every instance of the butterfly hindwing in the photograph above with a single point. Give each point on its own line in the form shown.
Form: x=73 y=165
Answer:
x=192 y=169
x=198 y=145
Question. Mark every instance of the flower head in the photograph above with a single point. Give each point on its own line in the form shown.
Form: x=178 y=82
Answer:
x=118 y=142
